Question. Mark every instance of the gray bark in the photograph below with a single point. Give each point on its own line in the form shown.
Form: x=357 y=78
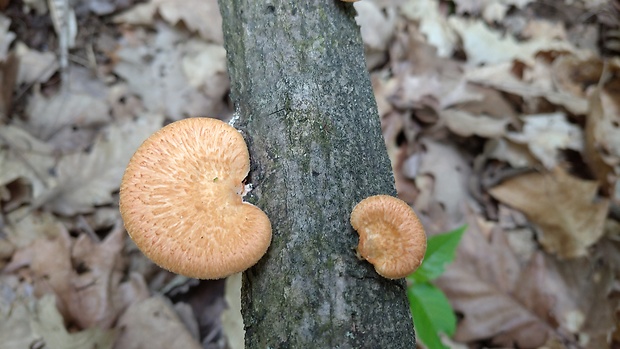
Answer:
x=301 y=89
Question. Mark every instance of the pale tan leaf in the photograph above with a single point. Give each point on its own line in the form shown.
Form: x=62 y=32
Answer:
x=93 y=299
x=475 y=7
x=34 y=66
x=6 y=37
x=87 y=179
x=204 y=66
x=484 y=45
x=433 y=24
x=49 y=324
x=480 y=285
x=517 y=155
x=86 y=276
x=451 y=174
x=154 y=70
x=466 y=124
x=573 y=296
x=202 y=16
x=16 y=302
x=24 y=156
x=602 y=151
x=565 y=209
x=48 y=116
x=23 y=226
x=148 y=324
x=500 y=76
x=140 y=14
x=546 y=134
x=376 y=26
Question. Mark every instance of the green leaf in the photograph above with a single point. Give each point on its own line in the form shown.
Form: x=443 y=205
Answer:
x=432 y=314
x=440 y=251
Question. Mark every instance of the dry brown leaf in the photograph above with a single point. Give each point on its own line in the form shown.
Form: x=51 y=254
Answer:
x=541 y=28
x=480 y=285
x=49 y=265
x=83 y=105
x=546 y=134
x=47 y=323
x=434 y=90
x=484 y=45
x=16 y=301
x=140 y=14
x=204 y=65
x=84 y=276
x=572 y=296
x=517 y=155
x=451 y=175
x=376 y=26
x=466 y=124
x=149 y=323
x=516 y=302
x=489 y=7
x=87 y=179
x=154 y=70
x=433 y=24
x=34 y=66
x=6 y=37
x=602 y=150
x=564 y=208
x=202 y=16
x=574 y=74
x=23 y=156
x=93 y=299
x=501 y=76
x=23 y=227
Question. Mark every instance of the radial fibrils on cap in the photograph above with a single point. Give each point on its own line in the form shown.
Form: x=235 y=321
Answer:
x=180 y=200
x=392 y=237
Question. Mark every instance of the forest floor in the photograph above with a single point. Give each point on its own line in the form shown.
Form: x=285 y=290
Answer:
x=500 y=114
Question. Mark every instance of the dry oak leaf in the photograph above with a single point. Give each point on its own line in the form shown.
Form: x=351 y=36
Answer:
x=156 y=69
x=602 y=137
x=486 y=46
x=48 y=323
x=564 y=208
x=481 y=286
x=197 y=15
x=451 y=173
x=152 y=323
x=501 y=77
x=433 y=24
x=546 y=134
x=85 y=179
x=85 y=276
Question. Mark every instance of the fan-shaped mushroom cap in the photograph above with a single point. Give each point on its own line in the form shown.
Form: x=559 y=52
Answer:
x=180 y=200
x=391 y=235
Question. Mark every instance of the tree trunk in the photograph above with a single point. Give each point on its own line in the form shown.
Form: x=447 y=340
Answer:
x=303 y=95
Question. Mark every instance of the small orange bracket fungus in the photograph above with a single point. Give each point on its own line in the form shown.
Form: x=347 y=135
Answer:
x=391 y=235
x=180 y=200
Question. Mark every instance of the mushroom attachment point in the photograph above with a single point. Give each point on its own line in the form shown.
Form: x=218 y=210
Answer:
x=392 y=237
x=180 y=200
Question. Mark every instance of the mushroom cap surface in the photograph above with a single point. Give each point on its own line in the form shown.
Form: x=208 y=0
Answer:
x=392 y=237
x=180 y=200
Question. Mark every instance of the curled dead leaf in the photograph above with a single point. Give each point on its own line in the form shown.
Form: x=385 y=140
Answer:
x=566 y=209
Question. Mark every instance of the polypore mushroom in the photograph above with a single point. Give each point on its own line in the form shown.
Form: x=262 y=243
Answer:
x=180 y=200
x=391 y=235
